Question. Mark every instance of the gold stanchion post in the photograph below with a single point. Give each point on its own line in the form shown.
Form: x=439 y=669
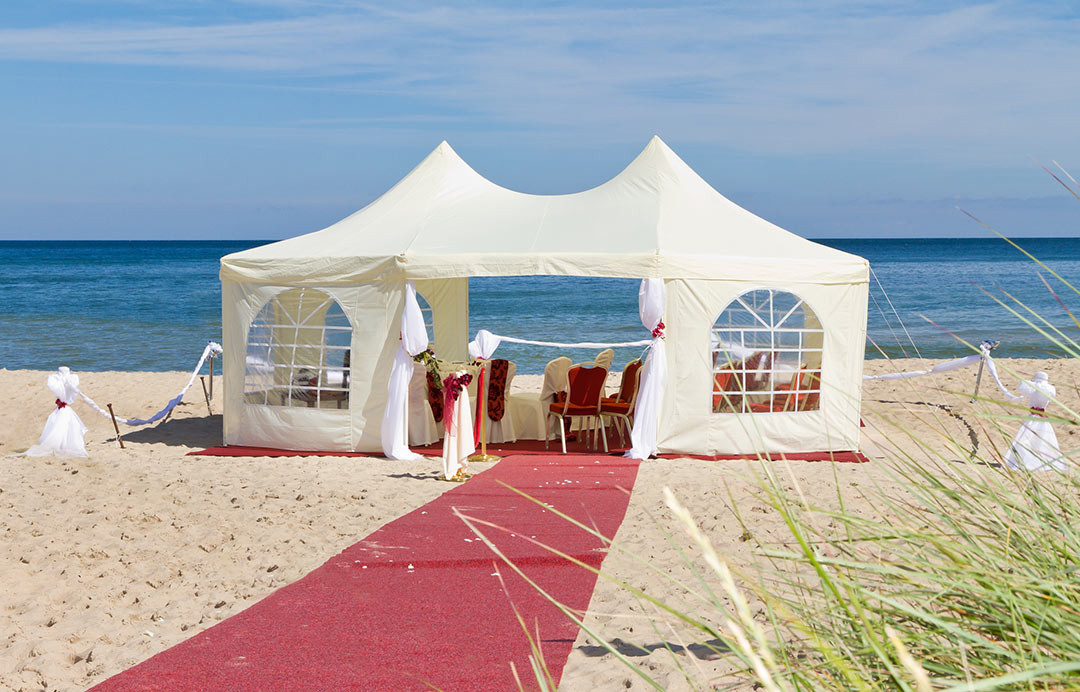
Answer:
x=483 y=455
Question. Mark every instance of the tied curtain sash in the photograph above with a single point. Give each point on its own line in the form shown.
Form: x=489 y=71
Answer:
x=414 y=340
x=652 y=298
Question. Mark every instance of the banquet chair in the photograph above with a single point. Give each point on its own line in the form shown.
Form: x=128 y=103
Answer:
x=795 y=395
x=732 y=382
x=423 y=429
x=604 y=358
x=529 y=410
x=501 y=430
x=621 y=406
x=584 y=387
x=308 y=383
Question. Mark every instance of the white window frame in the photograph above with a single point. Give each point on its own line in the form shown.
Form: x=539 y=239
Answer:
x=783 y=384
x=255 y=384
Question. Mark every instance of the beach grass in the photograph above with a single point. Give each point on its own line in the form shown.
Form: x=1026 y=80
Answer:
x=964 y=577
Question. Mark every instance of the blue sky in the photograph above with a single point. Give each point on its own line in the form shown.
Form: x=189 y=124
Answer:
x=271 y=118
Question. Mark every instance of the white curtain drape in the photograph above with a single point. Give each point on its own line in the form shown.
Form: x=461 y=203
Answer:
x=652 y=297
x=414 y=340
x=64 y=430
x=458 y=442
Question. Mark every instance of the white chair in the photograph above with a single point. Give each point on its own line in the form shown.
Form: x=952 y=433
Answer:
x=529 y=410
x=423 y=430
x=603 y=359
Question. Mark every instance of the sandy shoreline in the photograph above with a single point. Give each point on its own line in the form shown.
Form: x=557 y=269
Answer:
x=111 y=559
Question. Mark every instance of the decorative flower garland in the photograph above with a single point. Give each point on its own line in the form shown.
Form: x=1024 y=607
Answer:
x=658 y=331
x=430 y=362
x=452 y=386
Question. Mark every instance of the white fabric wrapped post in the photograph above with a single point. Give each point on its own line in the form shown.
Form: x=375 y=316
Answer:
x=652 y=297
x=414 y=339
x=1035 y=447
x=64 y=430
x=458 y=442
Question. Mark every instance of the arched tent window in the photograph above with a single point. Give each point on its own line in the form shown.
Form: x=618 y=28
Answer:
x=766 y=355
x=428 y=313
x=298 y=352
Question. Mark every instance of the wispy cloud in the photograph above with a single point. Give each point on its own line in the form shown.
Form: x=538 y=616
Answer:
x=854 y=76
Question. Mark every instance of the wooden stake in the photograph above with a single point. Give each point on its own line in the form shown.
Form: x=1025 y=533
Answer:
x=206 y=395
x=115 y=426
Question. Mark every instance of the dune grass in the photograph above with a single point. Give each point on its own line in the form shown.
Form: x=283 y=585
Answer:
x=966 y=577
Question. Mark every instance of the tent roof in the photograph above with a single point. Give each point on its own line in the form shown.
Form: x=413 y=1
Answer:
x=657 y=218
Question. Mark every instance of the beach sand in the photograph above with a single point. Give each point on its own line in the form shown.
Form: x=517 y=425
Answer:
x=111 y=559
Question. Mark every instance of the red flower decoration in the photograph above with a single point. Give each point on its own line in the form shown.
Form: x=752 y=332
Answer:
x=453 y=384
x=658 y=332
x=60 y=404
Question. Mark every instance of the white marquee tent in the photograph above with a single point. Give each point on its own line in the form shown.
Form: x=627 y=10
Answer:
x=304 y=310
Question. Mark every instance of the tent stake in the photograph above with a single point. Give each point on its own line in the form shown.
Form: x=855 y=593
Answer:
x=211 y=375
x=115 y=426
x=206 y=395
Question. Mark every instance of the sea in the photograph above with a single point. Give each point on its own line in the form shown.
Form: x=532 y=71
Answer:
x=153 y=305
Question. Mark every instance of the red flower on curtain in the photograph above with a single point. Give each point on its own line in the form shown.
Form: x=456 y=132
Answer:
x=60 y=404
x=658 y=331
x=452 y=387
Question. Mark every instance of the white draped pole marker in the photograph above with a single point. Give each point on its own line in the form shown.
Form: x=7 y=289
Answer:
x=414 y=340
x=1035 y=447
x=64 y=430
x=458 y=442
x=652 y=297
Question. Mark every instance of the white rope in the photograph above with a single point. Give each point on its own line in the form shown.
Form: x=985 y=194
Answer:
x=997 y=380
x=893 y=307
x=583 y=344
x=983 y=355
x=939 y=368
x=213 y=348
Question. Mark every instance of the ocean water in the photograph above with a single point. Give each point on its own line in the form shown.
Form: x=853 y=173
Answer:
x=150 y=305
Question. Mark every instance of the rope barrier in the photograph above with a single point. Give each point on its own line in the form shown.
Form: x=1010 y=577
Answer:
x=967 y=361
x=212 y=348
x=583 y=344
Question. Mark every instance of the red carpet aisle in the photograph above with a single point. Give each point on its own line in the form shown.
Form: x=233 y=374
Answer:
x=417 y=600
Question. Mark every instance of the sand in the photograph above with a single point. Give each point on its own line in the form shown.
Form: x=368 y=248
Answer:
x=110 y=559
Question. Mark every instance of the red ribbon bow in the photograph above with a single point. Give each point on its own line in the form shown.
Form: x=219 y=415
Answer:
x=60 y=404
x=658 y=331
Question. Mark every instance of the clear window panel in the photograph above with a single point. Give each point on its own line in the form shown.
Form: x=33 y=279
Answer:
x=766 y=355
x=298 y=352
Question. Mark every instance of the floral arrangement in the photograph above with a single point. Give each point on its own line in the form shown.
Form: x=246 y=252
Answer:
x=658 y=331
x=452 y=387
x=453 y=384
x=429 y=361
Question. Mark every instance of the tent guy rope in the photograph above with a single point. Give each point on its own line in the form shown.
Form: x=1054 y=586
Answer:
x=212 y=349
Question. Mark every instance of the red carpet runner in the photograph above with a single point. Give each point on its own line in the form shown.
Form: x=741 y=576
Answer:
x=416 y=602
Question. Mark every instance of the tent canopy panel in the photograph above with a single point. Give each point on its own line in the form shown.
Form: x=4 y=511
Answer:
x=657 y=218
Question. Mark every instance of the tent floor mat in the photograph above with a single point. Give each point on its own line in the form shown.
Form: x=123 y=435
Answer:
x=422 y=602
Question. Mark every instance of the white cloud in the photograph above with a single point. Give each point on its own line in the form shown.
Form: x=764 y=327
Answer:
x=837 y=76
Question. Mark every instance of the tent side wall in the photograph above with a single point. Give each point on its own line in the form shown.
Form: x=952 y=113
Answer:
x=687 y=423
x=370 y=309
x=449 y=301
